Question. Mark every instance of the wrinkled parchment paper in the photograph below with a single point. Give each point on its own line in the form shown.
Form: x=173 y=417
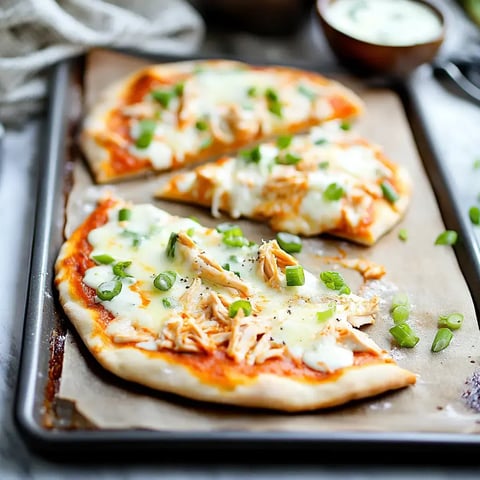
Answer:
x=429 y=274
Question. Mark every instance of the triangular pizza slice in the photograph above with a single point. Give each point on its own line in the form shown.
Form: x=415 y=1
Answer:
x=171 y=115
x=328 y=180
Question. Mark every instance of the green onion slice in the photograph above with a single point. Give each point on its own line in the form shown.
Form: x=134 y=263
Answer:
x=201 y=125
x=474 y=214
x=119 y=269
x=288 y=159
x=323 y=165
x=452 y=321
x=124 y=214
x=324 y=315
x=389 y=191
x=147 y=130
x=164 y=281
x=442 y=339
x=295 y=275
x=345 y=125
x=178 y=89
x=403 y=234
x=168 y=302
x=103 y=258
x=334 y=281
x=321 y=141
x=109 y=290
x=289 y=242
x=253 y=155
x=448 y=237
x=163 y=97
x=400 y=314
x=333 y=192
x=404 y=335
x=231 y=239
x=234 y=307
x=172 y=240
x=252 y=92
x=284 y=141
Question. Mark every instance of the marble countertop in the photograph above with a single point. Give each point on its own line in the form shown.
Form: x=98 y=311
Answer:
x=18 y=183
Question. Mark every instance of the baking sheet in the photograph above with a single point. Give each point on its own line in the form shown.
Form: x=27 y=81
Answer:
x=88 y=410
x=429 y=274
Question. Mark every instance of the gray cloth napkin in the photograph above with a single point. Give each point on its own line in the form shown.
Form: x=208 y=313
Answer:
x=35 y=34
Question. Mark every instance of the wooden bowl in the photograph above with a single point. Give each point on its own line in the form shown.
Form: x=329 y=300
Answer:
x=365 y=56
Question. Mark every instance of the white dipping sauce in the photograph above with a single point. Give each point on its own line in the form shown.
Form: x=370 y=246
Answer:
x=385 y=22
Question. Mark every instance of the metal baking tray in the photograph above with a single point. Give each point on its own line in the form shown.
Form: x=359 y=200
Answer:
x=44 y=333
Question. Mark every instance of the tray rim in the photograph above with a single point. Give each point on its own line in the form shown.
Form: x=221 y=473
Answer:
x=75 y=442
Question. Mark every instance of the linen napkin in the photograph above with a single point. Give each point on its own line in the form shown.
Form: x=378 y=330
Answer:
x=35 y=34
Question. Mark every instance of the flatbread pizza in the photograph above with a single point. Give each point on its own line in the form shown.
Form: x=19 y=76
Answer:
x=327 y=180
x=171 y=115
x=209 y=315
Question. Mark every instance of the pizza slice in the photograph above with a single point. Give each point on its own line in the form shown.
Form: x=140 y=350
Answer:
x=328 y=180
x=171 y=115
x=209 y=315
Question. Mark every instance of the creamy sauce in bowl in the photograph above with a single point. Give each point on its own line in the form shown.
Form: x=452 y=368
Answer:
x=385 y=22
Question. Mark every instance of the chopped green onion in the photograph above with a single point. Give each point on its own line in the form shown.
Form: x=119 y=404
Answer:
x=288 y=159
x=442 y=339
x=274 y=104
x=201 y=125
x=403 y=234
x=400 y=299
x=271 y=95
x=323 y=165
x=404 y=335
x=254 y=155
x=103 y=258
x=321 y=141
x=345 y=125
x=252 y=92
x=147 y=130
x=190 y=232
x=276 y=109
x=284 y=141
x=232 y=239
x=476 y=163
x=295 y=275
x=400 y=314
x=389 y=192
x=310 y=94
x=163 y=97
x=333 y=192
x=178 y=89
x=167 y=302
x=234 y=307
x=226 y=266
x=124 y=214
x=135 y=236
x=474 y=214
x=164 y=281
x=324 y=315
x=119 y=269
x=289 y=242
x=453 y=321
x=172 y=240
x=109 y=290
x=448 y=237
x=334 y=281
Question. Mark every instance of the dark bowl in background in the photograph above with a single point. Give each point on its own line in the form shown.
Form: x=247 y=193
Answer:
x=371 y=58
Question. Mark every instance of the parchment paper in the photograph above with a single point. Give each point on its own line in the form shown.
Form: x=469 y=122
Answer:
x=429 y=274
